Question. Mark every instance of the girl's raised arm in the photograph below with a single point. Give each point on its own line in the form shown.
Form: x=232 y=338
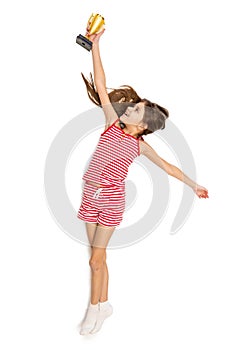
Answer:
x=100 y=80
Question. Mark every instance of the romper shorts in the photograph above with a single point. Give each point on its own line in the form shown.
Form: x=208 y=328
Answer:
x=103 y=205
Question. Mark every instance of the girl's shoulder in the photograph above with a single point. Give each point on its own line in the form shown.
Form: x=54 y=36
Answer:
x=145 y=148
x=143 y=145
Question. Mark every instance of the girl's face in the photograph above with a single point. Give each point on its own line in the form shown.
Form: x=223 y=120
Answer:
x=133 y=115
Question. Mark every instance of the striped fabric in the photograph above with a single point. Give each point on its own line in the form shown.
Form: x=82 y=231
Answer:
x=105 y=209
x=114 y=153
x=108 y=167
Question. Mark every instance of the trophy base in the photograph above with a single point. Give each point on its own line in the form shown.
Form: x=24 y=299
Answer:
x=84 y=42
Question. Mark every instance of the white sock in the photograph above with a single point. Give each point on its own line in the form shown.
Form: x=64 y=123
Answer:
x=105 y=310
x=90 y=319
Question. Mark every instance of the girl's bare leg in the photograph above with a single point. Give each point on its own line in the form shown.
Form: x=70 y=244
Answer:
x=96 y=313
x=104 y=291
x=98 y=263
x=91 y=230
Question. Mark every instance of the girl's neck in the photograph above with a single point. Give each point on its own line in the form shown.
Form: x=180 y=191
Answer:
x=125 y=129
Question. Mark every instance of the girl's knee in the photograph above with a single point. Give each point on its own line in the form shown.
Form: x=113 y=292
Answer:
x=97 y=261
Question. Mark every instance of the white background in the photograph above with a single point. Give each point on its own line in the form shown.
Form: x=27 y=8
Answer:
x=169 y=292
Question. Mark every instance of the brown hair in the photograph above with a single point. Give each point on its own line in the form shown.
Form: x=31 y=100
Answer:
x=154 y=116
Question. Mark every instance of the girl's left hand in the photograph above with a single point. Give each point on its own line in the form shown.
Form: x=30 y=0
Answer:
x=94 y=37
x=201 y=192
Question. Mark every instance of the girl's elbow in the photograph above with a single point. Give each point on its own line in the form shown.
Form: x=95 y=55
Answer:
x=169 y=170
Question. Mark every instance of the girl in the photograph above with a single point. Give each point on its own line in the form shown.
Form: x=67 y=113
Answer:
x=128 y=117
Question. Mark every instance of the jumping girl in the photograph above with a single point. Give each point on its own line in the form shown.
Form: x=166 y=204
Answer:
x=128 y=118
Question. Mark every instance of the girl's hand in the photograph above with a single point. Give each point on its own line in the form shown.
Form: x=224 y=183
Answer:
x=94 y=37
x=201 y=192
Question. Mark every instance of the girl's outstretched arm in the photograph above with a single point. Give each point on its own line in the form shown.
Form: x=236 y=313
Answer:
x=150 y=153
x=100 y=79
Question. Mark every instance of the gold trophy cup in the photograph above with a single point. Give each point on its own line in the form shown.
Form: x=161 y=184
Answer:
x=95 y=25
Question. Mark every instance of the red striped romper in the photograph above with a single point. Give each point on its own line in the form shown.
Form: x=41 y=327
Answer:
x=108 y=167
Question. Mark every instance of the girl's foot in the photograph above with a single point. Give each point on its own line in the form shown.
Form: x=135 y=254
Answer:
x=105 y=310
x=90 y=319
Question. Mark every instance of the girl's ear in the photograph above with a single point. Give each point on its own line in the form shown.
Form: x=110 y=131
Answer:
x=142 y=126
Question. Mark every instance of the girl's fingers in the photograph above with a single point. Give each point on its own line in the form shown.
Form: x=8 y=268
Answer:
x=100 y=33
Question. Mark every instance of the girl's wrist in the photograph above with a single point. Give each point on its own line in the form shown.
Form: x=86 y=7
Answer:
x=194 y=187
x=95 y=43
